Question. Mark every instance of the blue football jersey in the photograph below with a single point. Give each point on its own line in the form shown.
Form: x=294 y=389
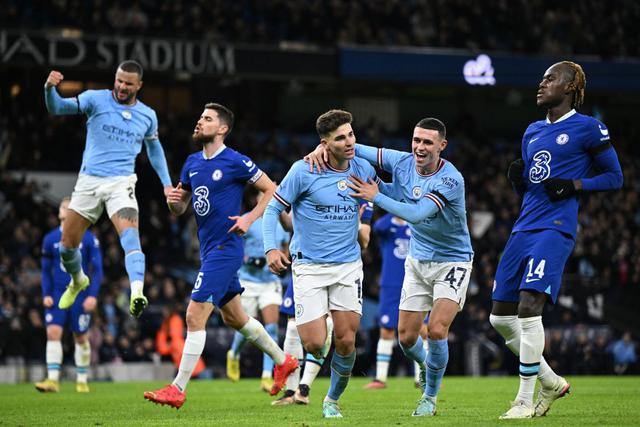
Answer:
x=393 y=240
x=325 y=217
x=367 y=213
x=217 y=185
x=115 y=133
x=556 y=150
x=54 y=278
x=254 y=248
x=444 y=236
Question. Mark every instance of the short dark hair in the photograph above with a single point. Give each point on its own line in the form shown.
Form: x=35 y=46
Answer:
x=131 y=66
x=332 y=120
x=434 y=124
x=225 y=114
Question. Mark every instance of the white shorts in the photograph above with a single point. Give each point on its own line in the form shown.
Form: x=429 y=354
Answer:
x=321 y=288
x=257 y=296
x=427 y=281
x=92 y=193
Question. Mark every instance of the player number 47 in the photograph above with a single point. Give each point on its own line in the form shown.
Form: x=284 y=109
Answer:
x=455 y=282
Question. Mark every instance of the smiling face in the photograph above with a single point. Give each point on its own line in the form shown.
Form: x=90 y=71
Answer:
x=341 y=143
x=426 y=146
x=555 y=87
x=209 y=126
x=126 y=86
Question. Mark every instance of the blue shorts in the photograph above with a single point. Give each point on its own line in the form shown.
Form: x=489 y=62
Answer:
x=388 y=307
x=217 y=281
x=532 y=260
x=79 y=319
x=288 y=303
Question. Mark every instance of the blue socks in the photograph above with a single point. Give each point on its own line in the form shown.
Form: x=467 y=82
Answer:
x=71 y=259
x=437 y=360
x=416 y=352
x=133 y=257
x=341 y=367
x=267 y=361
x=238 y=342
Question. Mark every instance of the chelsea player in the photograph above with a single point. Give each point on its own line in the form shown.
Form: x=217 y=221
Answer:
x=213 y=180
x=263 y=292
x=117 y=125
x=327 y=266
x=557 y=156
x=428 y=192
x=54 y=282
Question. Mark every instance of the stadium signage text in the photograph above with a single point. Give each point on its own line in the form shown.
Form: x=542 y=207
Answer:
x=191 y=56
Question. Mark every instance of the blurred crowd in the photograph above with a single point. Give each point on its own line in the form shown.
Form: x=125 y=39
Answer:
x=590 y=27
x=603 y=272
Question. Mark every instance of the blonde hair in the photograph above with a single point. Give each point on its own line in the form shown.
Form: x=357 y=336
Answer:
x=578 y=81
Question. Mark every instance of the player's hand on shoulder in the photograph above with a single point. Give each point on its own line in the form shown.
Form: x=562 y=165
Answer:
x=317 y=159
x=54 y=79
x=47 y=301
x=89 y=304
x=277 y=261
x=363 y=189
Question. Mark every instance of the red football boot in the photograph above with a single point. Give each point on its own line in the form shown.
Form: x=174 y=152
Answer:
x=167 y=395
x=281 y=372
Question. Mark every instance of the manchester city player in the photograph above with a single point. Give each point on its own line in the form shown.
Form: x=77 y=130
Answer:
x=54 y=282
x=262 y=292
x=428 y=192
x=213 y=180
x=327 y=266
x=558 y=154
x=117 y=125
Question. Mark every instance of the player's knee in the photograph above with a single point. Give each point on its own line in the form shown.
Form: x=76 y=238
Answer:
x=531 y=304
x=80 y=338
x=232 y=321
x=54 y=333
x=194 y=321
x=407 y=338
x=130 y=240
x=438 y=330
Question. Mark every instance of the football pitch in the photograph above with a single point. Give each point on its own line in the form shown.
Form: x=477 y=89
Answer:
x=594 y=401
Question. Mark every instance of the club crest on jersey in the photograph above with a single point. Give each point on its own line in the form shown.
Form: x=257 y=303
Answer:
x=126 y=114
x=562 y=139
x=216 y=175
x=417 y=192
x=342 y=185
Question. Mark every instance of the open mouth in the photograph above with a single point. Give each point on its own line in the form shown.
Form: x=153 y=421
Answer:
x=420 y=156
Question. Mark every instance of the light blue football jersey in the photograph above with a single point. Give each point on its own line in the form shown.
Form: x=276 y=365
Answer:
x=325 y=216
x=444 y=236
x=115 y=133
x=254 y=248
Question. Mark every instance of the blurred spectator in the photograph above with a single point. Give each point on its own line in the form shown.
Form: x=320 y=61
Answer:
x=624 y=355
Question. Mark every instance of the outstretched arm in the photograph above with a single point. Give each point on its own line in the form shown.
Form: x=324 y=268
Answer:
x=265 y=185
x=159 y=162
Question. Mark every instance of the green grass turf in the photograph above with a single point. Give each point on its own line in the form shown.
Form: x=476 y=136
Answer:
x=594 y=401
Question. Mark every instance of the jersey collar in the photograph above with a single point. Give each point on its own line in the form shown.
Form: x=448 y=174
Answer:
x=566 y=116
x=218 y=151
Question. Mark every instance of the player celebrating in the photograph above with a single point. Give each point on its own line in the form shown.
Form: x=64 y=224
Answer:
x=557 y=155
x=54 y=282
x=428 y=192
x=118 y=123
x=214 y=180
x=393 y=239
x=262 y=291
x=327 y=266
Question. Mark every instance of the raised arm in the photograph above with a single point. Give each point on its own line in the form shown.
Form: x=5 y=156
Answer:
x=54 y=102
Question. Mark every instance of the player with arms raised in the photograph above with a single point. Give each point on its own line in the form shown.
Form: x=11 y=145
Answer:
x=213 y=180
x=557 y=155
x=118 y=123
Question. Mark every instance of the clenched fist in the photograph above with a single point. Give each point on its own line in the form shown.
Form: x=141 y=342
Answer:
x=54 y=79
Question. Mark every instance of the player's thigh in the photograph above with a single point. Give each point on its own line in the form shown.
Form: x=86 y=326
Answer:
x=450 y=281
x=345 y=292
x=388 y=307
x=55 y=320
x=549 y=252
x=86 y=201
x=310 y=288
x=441 y=317
x=510 y=268
x=313 y=333
x=121 y=203
x=270 y=314
x=417 y=292
x=345 y=326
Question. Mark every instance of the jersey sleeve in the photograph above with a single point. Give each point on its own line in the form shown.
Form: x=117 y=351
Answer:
x=152 y=131
x=448 y=189
x=367 y=214
x=248 y=171
x=389 y=159
x=185 y=179
x=291 y=185
x=597 y=139
x=381 y=227
x=87 y=101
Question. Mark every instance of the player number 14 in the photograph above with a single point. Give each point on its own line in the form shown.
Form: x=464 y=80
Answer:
x=538 y=272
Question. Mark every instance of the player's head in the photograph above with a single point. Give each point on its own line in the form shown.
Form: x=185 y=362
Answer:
x=128 y=82
x=63 y=209
x=563 y=82
x=216 y=121
x=428 y=141
x=336 y=134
